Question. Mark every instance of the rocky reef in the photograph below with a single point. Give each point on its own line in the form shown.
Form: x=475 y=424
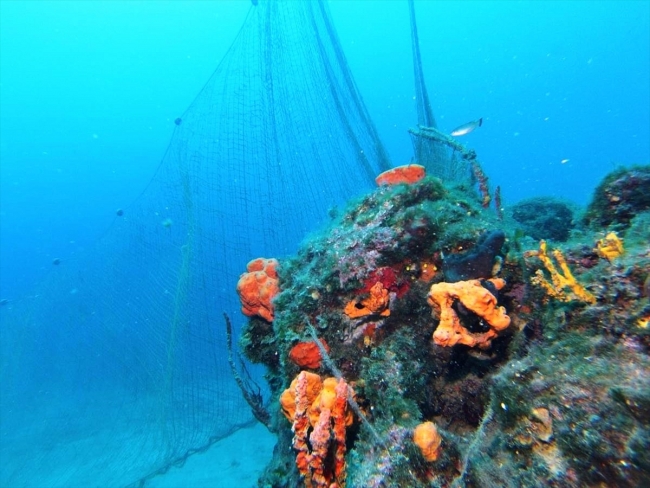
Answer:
x=420 y=340
x=621 y=196
x=544 y=218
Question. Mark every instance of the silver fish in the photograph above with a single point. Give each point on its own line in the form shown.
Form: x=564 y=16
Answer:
x=467 y=128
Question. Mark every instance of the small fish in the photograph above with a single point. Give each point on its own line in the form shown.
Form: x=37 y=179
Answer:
x=467 y=128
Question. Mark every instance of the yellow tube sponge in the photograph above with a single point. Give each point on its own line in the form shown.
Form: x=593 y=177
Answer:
x=610 y=247
x=563 y=285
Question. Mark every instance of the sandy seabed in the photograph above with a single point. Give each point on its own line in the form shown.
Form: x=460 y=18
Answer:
x=95 y=444
x=234 y=462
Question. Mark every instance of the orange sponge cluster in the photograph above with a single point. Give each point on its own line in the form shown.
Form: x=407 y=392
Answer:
x=320 y=415
x=477 y=299
x=258 y=287
x=316 y=392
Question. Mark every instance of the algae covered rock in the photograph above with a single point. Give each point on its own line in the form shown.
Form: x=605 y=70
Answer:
x=560 y=396
x=622 y=195
x=544 y=218
x=478 y=262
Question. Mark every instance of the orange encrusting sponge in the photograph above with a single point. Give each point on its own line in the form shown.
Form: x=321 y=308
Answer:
x=258 y=287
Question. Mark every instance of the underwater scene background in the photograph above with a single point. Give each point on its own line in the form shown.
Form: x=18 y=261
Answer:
x=550 y=80
x=486 y=326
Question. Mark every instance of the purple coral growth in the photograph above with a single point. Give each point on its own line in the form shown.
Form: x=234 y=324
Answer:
x=358 y=252
x=384 y=463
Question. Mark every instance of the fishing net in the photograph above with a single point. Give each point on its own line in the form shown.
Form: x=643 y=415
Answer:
x=428 y=152
x=115 y=367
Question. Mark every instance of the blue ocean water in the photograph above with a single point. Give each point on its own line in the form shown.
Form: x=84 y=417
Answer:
x=89 y=91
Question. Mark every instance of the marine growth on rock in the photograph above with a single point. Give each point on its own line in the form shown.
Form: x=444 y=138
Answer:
x=420 y=331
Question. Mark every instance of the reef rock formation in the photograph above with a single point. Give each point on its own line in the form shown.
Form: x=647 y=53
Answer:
x=621 y=196
x=544 y=218
x=478 y=262
x=537 y=374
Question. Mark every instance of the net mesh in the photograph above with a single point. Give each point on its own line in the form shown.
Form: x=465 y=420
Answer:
x=116 y=367
x=430 y=153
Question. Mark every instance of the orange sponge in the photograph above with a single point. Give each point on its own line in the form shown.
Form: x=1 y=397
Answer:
x=307 y=354
x=314 y=385
x=427 y=438
x=409 y=173
x=258 y=287
x=477 y=299
x=376 y=303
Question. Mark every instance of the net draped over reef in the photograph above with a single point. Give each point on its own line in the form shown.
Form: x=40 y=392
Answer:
x=115 y=366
